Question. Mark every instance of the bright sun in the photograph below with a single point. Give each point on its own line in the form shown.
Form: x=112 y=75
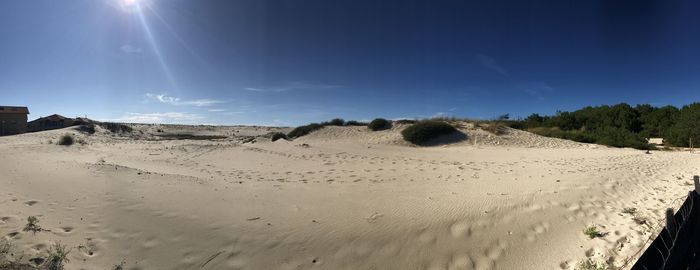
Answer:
x=129 y=2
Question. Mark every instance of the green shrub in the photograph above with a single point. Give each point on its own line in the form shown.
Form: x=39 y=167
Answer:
x=334 y=122
x=32 y=225
x=303 y=130
x=58 y=256
x=279 y=135
x=87 y=128
x=379 y=124
x=116 y=127
x=66 y=140
x=589 y=264
x=405 y=121
x=355 y=123
x=593 y=232
x=421 y=132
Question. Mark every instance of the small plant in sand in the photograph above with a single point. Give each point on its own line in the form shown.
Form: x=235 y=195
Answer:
x=119 y=266
x=629 y=210
x=422 y=132
x=5 y=248
x=32 y=225
x=379 y=124
x=66 y=140
x=58 y=257
x=639 y=220
x=589 y=264
x=279 y=135
x=593 y=232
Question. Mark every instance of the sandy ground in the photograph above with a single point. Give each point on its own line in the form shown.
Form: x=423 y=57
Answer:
x=348 y=199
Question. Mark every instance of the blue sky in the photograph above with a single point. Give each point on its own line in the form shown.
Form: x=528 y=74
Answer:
x=281 y=62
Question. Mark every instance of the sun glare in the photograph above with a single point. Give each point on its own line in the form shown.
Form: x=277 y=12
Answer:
x=129 y=2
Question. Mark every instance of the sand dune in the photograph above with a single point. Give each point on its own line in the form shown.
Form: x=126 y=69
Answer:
x=348 y=199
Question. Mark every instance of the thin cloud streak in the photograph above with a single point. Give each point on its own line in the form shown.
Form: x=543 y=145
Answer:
x=167 y=117
x=490 y=63
x=293 y=86
x=164 y=98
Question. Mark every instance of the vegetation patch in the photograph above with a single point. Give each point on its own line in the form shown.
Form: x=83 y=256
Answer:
x=88 y=128
x=304 y=130
x=629 y=210
x=190 y=137
x=592 y=232
x=496 y=128
x=355 y=123
x=620 y=125
x=379 y=124
x=405 y=121
x=589 y=264
x=279 y=135
x=334 y=122
x=32 y=225
x=116 y=127
x=66 y=139
x=420 y=133
x=58 y=257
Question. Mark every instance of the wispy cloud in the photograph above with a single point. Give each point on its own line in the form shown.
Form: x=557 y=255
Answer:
x=216 y=110
x=167 y=117
x=129 y=49
x=292 y=86
x=164 y=98
x=490 y=63
x=536 y=89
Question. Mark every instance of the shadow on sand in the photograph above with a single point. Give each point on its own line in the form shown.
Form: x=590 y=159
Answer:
x=451 y=138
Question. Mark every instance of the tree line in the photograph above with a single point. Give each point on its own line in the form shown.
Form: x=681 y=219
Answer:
x=619 y=125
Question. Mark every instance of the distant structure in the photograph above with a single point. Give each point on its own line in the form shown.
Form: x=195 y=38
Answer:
x=13 y=120
x=656 y=141
x=54 y=121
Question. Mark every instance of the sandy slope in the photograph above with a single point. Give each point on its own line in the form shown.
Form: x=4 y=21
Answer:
x=352 y=199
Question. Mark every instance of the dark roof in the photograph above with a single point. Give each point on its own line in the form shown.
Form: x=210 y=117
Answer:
x=13 y=110
x=53 y=117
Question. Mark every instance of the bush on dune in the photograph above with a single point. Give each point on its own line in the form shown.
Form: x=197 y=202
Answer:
x=420 y=133
x=405 y=121
x=355 y=123
x=304 y=130
x=116 y=127
x=279 y=135
x=88 y=128
x=334 y=122
x=496 y=128
x=66 y=140
x=379 y=124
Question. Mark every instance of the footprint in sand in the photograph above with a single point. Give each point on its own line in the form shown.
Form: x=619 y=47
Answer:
x=14 y=235
x=30 y=203
x=536 y=231
x=460 y=229
x=37 y=261
x=4 y=219
x=461 y=261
